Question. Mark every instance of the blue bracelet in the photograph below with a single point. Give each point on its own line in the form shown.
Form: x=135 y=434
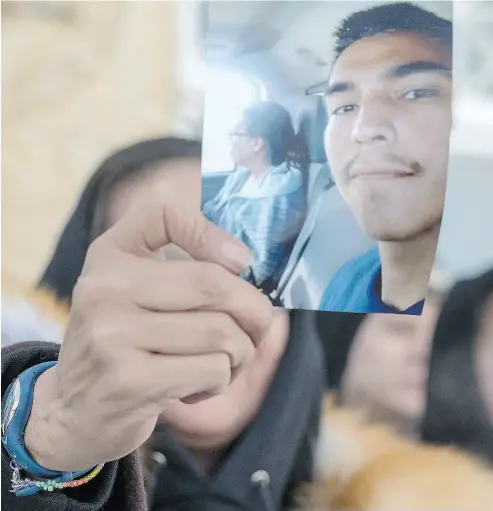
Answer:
x=16 y=409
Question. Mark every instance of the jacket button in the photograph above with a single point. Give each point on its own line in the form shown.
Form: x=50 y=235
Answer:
x=261 y=476
x=159 y=458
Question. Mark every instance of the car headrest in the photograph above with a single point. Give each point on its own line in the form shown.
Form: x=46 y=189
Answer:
x=312 y=123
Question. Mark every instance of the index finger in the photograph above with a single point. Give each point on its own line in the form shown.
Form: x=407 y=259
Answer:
x=167 y=217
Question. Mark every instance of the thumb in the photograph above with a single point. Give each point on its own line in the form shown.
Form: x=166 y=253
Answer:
x=166 y=217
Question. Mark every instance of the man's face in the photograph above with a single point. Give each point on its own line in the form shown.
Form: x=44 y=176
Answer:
x=387 y=369
x=387 y=138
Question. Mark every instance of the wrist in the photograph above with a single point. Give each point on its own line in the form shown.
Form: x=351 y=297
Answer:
x=46 y=439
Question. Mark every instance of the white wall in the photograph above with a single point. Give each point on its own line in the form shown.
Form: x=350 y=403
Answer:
x=466 y=241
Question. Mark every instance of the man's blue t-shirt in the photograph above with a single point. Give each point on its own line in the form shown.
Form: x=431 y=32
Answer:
x=356 y=287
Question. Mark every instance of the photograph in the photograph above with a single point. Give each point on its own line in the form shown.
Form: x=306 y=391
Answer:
x=329 y=166
x=329 y=344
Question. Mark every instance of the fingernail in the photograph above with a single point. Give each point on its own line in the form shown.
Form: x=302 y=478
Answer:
x=237 y=254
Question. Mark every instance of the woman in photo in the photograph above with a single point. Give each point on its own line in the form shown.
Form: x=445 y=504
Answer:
x=263 y=202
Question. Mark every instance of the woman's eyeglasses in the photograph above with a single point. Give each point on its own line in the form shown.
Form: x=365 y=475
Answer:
x=234 y=134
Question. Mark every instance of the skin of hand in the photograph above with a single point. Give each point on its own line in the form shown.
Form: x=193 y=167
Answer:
x=144 y=334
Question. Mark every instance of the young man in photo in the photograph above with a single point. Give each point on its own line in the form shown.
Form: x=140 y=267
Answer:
x=388 y=101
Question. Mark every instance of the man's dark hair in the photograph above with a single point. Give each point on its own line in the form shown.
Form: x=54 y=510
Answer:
x=395 y=17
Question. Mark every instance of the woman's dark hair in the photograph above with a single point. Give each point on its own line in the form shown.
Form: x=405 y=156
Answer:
x=337 y=331
x=456 y=413
x=87 y=221
x=273 y=123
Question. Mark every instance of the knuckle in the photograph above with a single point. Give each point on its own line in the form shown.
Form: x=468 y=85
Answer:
x=200 y=236
x=225 y=374
x=95 y=315
x=228 y=338
x=210 y=375
x=212 y=283
x=91 y=294
x=92 y=334
x=222 y=374
x=99 y=330
x=222 y=325
x=262 y=314
x=161 y=199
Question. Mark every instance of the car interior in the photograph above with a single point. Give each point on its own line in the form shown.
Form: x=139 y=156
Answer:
x=282 y=51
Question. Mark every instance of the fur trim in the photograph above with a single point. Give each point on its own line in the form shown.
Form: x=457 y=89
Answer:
x=362 y=466
x=31 y=314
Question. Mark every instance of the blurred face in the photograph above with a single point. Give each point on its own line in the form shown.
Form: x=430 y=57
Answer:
x=183 y=173
x=387 y=138
x=484 y=357
x=244 y=149
x=387 y=369
x=217 y=421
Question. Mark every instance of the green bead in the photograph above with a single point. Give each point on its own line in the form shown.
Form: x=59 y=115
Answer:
x=60 y=486
x=50 y=488
x=38 y=484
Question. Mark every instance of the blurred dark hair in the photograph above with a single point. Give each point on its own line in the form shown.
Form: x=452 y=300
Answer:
x=273 y=123
x=394 y=17
x=456 y=413
x=337 y=331
x=87 y=221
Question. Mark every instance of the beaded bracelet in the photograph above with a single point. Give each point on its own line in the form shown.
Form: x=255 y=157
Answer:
x=20 y=484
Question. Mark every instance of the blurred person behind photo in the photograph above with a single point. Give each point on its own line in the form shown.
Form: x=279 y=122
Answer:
x=125 y=176
x=379 y=362
x=122 y=178
x=248 y=444
x=460 y=397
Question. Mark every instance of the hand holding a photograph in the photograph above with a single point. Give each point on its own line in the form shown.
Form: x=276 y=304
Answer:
x=145 y=333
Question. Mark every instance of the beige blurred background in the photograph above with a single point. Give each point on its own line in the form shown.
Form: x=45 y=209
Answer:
x=82 y=78
x=79 y=80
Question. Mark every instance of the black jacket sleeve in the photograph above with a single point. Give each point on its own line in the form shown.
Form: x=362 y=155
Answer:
x=119 y=487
